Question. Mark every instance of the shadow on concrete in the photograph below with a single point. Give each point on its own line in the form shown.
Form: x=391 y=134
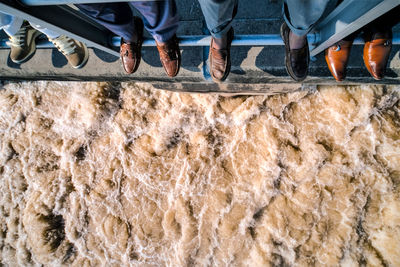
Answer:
x=271 y=60
x=105 y=57
x=58 y=60
x=192 y=58
x=389 y=72
x=238 y=55
x=12 y=65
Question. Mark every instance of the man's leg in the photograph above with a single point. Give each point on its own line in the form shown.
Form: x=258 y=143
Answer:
x=300 y=17
x=161 y=20
x=219 y=15
x=118 y=18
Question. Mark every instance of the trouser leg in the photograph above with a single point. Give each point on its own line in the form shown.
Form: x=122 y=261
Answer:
x=219 y=15
x=161 y=18
x=117 y=17
x=10 y=24
x=301 y=16
x=51 y=34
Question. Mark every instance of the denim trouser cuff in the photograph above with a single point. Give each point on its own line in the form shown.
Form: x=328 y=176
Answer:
x=297 y=31
x=219 y=15
x=222 y=32
x=10 y=24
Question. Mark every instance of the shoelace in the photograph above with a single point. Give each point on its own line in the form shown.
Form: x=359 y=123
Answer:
x=18 y=39
x=64 y=44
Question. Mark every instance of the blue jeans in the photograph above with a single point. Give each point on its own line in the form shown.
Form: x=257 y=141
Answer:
x=11 y=25
x=301 y=16
x=219 y=15
x=160 y=18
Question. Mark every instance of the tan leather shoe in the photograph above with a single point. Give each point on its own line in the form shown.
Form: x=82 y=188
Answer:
x=376 y=54
x=170 y=56
x=337 y=57
x=131 y=52
x=220 y=59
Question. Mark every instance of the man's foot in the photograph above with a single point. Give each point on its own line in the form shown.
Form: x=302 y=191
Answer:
x=220 y=57
x=23 y=43
x=170 y=56
x=337 y=57
x=131 y=52
x=376 y=52
x=76 y=52
x=296 y=59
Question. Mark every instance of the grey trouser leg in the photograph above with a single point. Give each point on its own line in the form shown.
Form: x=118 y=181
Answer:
x=301 y=15
x=219 y=15
x=49 y=33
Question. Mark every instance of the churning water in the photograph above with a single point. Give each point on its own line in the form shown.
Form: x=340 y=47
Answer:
x=105 y=174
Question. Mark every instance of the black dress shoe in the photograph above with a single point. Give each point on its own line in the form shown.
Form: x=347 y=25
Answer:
x=296 y=60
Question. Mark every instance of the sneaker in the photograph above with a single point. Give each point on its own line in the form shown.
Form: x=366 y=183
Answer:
x=76 y=52
x=23 y=43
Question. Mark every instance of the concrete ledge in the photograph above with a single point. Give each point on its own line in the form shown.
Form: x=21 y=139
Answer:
x=257 y=69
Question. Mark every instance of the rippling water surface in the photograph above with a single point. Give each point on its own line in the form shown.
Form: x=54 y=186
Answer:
x=121 y=174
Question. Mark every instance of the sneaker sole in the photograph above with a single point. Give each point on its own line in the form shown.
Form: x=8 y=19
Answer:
x=31 y=51
x=85 y=59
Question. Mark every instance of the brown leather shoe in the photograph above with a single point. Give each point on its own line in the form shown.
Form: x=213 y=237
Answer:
x=376 y=53
x=170 y=56
x=220 y=59
x=296 y=60
x=130 y=52
x=337 y=57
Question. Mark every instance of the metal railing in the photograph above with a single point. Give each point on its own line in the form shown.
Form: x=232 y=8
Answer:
x=345 y=19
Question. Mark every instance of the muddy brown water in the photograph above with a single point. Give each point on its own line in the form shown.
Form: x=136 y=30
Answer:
x=98 y=174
